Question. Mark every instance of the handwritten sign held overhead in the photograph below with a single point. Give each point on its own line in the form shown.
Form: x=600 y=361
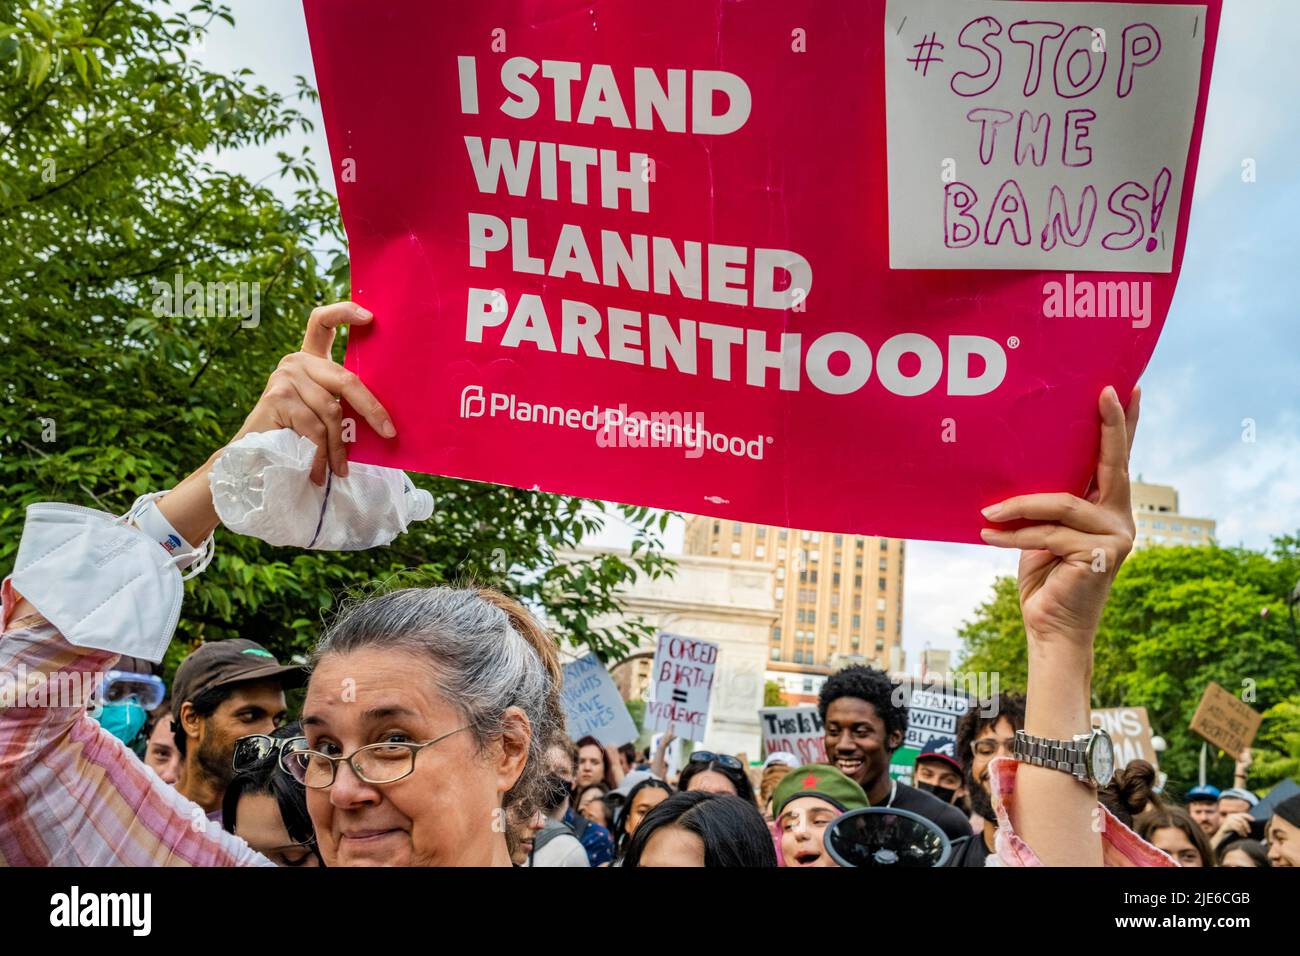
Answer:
x=1226 y=722
x=795 y=730
x=683 y=683
x=593 y=705
x=1030 y=135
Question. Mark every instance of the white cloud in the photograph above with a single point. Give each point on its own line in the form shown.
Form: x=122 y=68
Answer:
x=943 y=585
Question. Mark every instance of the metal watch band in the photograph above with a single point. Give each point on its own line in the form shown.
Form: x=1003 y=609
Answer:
x=1067 y=755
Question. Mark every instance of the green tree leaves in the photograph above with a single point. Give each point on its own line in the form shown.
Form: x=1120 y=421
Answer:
x=108 y=191
x=1178 y=618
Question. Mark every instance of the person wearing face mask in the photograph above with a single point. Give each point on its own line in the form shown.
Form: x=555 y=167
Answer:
x=128 y=693
x=806 y=800
x=554 y=842
x=938 y=773
x=427 y=714
x=562 y=759
x=429 y=710
x=982 y=736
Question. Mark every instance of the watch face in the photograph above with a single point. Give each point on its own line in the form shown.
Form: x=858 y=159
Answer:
x=1102 y=762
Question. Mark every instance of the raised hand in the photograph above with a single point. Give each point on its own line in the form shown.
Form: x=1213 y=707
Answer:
x=304 y=390
x=1071 y=553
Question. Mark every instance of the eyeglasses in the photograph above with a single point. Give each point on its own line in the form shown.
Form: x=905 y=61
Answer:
x=253 y=749
x=988 y=746
x=722 y=760
x=375 y=763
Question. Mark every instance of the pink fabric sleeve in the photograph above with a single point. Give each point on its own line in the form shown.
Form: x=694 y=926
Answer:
x=72 y=794
x=1120 y=846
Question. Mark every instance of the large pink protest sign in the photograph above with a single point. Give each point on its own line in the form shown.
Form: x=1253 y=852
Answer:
x=713 y=257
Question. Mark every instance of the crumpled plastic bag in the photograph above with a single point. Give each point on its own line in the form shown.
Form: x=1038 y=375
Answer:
x=261 y=487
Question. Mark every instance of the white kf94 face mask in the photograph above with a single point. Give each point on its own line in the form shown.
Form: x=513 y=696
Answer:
x=261 y=487
x=104 y=583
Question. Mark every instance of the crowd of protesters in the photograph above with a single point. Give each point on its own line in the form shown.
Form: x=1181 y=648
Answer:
x=432 y=732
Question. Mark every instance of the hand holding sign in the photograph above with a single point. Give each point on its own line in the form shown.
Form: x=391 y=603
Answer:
x=613 y=284
x=1074 y=548
x=303 y=391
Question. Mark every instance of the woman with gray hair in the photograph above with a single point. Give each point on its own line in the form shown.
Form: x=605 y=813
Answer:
x=441 y=701
x=426 y=716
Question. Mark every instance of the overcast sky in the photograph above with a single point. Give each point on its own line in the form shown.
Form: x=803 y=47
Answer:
x=1230 y=349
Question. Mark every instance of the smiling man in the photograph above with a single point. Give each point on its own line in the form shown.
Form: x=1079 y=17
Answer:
x=864 y=726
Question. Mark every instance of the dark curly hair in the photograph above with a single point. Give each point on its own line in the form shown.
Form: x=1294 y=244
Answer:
x=869 y=684
x=973 y=722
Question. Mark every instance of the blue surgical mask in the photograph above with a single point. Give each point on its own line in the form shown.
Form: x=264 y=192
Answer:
x=123 y=719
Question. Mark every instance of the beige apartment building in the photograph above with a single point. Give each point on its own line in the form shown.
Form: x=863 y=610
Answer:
x=1158 y=520
x=839 y=597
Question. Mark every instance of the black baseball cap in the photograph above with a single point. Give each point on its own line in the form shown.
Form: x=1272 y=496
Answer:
x=938 y=749
x=234 y=661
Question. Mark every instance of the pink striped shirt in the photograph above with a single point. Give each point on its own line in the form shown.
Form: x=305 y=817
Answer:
x=71 y=794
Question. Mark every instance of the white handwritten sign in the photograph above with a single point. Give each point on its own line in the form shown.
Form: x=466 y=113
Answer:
x=593 y=705
x=1028 y=135
x=683 y=683
x=795 y=730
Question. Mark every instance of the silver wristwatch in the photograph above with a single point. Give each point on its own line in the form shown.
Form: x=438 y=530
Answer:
x=1089 y=757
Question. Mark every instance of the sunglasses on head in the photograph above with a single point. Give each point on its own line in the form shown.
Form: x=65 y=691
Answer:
x=253 y=749
x=722 y=760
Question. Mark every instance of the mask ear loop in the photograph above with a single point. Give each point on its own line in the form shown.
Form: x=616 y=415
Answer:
x=199 y=558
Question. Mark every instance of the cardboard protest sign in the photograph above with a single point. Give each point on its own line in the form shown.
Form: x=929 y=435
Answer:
x=1130 y=731
x=593 y=705
x=932 y=716
x=1059 y=133
x=642 y=253
x=683 y=684
x=1226 y=722
x=795 y=730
